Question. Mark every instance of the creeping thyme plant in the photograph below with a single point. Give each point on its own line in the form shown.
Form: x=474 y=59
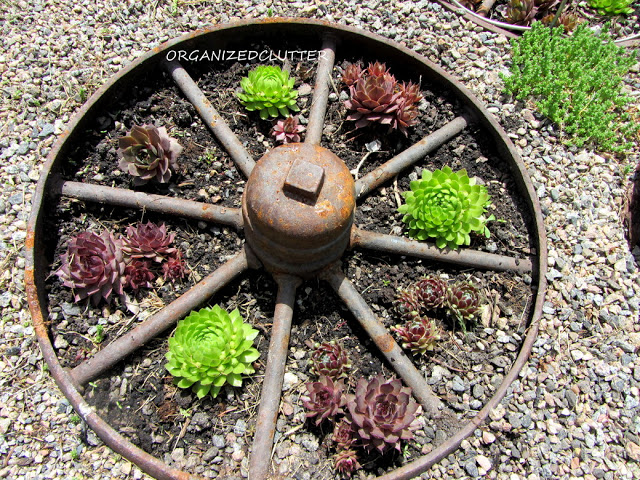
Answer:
x=577 y=82
x=209 y=348
x=446 y=206
x=268 y=90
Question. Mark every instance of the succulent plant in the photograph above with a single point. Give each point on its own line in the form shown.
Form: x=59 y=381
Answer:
x=418 y=335
x=352 y=72
x=373 y=99
x=174 y=268
x=325 y=399
x=379 y=70
x=381 y=413
x=269 y=90
x=147 y=153
x=209 y=348
x=446 y=207
x=330 y=359
x=376 y=97
x=521 y=12
x=137 y=274
x=343 y=435
x=463 y=300
x=612 y=7
x=407 y=303
x=287 y=130
x=568 y=20
x=407 y=113
x=409 y=92
x=431 y=292
x=148 y=240
x=346 y=462
x=93 y=266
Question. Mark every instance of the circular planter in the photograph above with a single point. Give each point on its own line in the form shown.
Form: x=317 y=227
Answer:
x=276 y=247
x=514 y=31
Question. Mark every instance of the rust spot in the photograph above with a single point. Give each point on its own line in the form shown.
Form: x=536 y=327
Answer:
x=30 y=240
x=384 y=342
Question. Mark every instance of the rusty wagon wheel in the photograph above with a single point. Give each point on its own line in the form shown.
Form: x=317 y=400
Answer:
x=284 y=231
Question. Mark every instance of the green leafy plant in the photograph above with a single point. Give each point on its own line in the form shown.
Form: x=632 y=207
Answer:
x=576 y=81
x=268 y=90
x=612 y=7
x=99 y=335
x=209 y=348
x=446 y=206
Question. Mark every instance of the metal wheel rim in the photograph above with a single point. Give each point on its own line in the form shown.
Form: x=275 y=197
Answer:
x=36 y=265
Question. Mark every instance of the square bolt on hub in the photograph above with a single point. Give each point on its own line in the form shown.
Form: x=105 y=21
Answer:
x=305 y=179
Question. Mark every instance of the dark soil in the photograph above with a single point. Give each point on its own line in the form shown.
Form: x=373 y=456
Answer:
x=138 y=397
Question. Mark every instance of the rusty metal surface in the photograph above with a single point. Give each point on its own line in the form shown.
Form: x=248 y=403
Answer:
x=260 y=460
x=410 y=156
x=411 y=376
x=158 y=323
x=298 y=208
x=156 y=203
x=321 y=91
x=211 y=117
x=463 y=257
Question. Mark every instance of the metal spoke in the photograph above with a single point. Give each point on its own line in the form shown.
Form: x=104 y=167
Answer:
x=158 y=323
x=155 y=203
x=410 y=156
x=321 y=91
x=211 y=117
x=463 y=257
x=273 y=377
x=412 y=377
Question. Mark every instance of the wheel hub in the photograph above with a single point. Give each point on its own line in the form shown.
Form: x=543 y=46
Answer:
x=298 y=208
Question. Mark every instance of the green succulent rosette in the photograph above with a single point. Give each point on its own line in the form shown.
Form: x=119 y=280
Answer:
x=446 y=206
x=209 y=348
x=269 y=90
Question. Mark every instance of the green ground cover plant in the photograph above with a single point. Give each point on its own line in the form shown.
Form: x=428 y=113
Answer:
x=577 y=82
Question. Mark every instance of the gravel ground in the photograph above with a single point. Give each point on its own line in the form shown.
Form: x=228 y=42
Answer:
x=573 y=413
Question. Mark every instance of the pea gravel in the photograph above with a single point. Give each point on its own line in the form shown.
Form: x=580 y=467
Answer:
x=573 y=413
